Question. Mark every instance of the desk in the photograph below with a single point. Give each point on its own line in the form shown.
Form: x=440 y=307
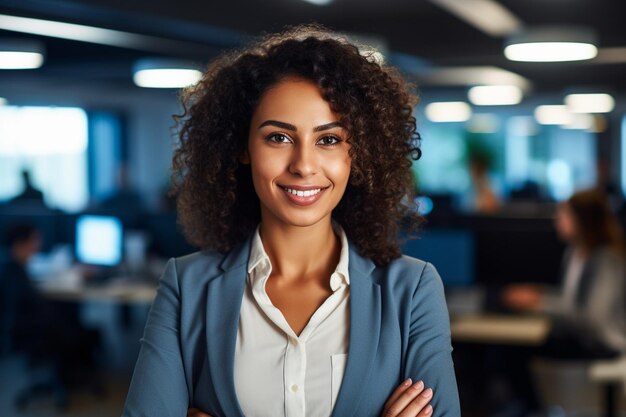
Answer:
x=119 y=291
x=490 y=347
x=117 y=308
x=500 y=329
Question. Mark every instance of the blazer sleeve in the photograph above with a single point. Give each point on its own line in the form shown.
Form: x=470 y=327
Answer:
x=429 y=352
x=158 y=387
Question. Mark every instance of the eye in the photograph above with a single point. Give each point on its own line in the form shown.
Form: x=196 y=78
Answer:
x=329 y=141
x=278 y=138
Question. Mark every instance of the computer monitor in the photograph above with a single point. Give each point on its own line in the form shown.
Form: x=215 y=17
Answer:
x=99 y=240
x=450 y=251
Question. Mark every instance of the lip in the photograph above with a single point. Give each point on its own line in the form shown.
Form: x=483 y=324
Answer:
x=302 y=200
x=303 y=187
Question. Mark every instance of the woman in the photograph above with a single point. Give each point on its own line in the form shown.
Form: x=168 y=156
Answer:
x=292 y=175
x=588 y=311
x=589 y=308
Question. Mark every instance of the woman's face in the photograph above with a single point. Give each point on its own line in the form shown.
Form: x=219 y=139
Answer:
x=565 y=222
x=298 y=154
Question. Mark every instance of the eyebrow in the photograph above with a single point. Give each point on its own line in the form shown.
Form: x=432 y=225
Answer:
x=291 y=127
x=327 y=126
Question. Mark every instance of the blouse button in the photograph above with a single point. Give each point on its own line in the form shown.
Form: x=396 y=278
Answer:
x=294 y=388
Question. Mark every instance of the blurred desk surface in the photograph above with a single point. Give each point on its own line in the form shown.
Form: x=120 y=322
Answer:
x=117 y=290
x=500 y=329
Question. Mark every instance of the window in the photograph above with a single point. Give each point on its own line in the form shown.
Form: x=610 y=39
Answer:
x=559 y=161
x=51 y=144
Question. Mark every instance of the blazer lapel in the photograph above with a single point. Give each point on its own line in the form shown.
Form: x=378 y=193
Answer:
x=224 y=298
x=365 y=319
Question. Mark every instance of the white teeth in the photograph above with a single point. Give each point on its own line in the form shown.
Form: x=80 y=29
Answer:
x=306 y=193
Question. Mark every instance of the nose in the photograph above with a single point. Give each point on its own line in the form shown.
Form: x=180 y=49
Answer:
x=303 y=160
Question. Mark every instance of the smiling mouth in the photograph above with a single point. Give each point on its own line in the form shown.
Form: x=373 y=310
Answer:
x=305 y=193
x=303 y=197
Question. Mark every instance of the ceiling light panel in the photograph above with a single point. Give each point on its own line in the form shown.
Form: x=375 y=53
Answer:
x=557 y=114
x=551 y=44
x=581 y=121
x=20 y=54
x=165 y=73
x=495 y=95
x=590 y=103
x=450 y=111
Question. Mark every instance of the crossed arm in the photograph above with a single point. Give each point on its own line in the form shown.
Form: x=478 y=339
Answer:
x=159 y=386
x=408 y=400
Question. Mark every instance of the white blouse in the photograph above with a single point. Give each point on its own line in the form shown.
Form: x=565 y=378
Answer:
x=278 y=373
x=571 y=283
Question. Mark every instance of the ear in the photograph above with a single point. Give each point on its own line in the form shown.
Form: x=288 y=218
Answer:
x=244 y=158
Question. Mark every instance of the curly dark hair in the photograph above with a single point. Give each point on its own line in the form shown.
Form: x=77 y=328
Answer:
x=217 y=204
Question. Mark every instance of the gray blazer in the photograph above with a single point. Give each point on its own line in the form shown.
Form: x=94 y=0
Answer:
x=600 y=301
x=399 y=328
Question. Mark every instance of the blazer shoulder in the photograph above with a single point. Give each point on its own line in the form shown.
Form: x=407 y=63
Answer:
x=409 y=265
x=410 y=271
x=198 y=266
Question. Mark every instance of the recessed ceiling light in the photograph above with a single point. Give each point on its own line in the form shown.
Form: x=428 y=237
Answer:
x=553 y=115
x=319 y=2
x=449 y=111
x=552 y=44
x=165 y=73
x=495 y=95
x=581 y=121
x=20 y=54
x=589 y=103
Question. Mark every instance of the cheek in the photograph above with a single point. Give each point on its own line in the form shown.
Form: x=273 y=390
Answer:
x=262 y=175
x=266 y=167
x=339 y=170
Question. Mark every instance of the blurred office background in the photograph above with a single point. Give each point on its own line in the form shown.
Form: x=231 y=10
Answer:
x=85 y=148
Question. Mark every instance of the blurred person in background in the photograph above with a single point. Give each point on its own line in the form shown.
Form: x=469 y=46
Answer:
x=481 y=198
x=30 y=195
x=588 y=309
x=43 y=330
x=588 y=312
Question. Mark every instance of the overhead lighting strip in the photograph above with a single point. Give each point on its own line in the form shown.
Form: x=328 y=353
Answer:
x=89 y=34
x=485 y=15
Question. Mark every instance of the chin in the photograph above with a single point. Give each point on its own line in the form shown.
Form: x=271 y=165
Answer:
x=301 y=219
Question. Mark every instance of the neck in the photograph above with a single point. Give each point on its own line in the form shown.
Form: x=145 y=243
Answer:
x=297 y=252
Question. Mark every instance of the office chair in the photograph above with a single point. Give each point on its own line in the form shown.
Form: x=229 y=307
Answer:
x=68 y=360
x=16 y=343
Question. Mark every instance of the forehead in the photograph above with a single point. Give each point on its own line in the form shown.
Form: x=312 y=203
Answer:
x=294 y=100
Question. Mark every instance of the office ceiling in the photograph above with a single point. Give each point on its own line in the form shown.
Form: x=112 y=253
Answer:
x=419 y=28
